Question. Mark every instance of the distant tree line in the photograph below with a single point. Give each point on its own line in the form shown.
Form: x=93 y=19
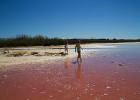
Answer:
x=114 y=40
x=39 y=40
x=25 y=40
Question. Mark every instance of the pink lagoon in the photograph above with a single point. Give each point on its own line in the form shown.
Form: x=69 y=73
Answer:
x=107 y=72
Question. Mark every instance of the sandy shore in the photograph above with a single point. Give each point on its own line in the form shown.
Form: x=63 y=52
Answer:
x=20 y=55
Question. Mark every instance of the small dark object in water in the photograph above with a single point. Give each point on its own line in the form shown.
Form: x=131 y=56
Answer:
x=74 y=62
x=120 y=64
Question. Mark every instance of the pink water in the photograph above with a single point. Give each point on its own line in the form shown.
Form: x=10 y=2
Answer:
x=109 y=74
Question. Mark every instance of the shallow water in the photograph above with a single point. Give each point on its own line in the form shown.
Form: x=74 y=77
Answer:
x=111 y=72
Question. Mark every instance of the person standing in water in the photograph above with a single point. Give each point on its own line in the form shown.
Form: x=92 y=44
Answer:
x=66 y=46
x=78 y=47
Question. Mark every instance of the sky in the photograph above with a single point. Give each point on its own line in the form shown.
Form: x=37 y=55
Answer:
x=71 y=18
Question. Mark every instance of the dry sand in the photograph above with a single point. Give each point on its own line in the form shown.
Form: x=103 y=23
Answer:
x=27 y=57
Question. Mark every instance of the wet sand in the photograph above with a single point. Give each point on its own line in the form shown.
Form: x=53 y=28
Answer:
x=102 y=75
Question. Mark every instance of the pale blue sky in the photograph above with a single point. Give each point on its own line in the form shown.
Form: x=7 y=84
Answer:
x=71 y=18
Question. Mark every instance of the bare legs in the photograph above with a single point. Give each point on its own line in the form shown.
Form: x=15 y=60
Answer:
x=66 y=51
x=79 y=56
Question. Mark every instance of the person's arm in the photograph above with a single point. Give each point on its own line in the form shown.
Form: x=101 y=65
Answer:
x=81 y=47
x=75 y=48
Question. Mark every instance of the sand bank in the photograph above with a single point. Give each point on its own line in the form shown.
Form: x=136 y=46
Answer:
x=20 y=55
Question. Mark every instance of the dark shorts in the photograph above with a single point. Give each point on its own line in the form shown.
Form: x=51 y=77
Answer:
x=78 y=51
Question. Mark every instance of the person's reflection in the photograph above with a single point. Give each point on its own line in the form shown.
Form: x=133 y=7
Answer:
x=66 y=63
x=78 y=70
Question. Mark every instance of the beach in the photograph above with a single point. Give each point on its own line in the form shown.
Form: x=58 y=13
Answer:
x=20 y=55
x=107 y=72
